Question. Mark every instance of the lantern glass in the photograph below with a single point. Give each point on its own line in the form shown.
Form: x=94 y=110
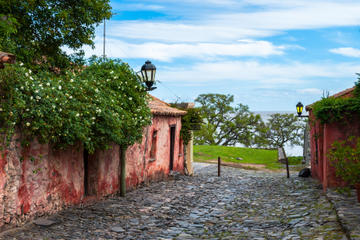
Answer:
x=299 y=108
x=149 y=75
x=148 y=71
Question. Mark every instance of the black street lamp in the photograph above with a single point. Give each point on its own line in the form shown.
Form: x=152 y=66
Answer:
x=299 y=109
x=148 y=71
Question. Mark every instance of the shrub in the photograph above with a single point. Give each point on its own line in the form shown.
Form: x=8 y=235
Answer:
x=102 y=103
x=345 y=157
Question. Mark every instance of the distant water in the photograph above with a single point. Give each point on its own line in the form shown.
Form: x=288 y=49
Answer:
x=290 y=151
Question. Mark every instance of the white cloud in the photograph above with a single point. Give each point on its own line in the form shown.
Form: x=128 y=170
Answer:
x=166 y=52
x=265 y=75
x=346 y=51
x=181 y=32
x=312 y=91
x=239 y=24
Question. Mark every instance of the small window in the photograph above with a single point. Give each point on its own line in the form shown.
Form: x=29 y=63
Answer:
x=153 y=146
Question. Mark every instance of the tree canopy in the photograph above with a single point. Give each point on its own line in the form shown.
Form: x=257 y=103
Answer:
x=224 y=124
x=37 y=30
x=282 y=129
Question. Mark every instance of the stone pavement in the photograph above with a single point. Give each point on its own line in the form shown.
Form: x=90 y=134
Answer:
x=241 y=204
x=348 y=211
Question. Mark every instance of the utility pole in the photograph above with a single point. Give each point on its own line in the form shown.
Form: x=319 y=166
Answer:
x=104 y=39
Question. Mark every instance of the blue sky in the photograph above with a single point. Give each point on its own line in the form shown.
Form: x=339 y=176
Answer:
x=269 y=54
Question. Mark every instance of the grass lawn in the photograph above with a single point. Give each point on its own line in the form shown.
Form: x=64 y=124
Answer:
x=229 y=154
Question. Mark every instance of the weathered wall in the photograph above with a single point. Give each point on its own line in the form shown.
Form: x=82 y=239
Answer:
x=39 y=179
x=188 y=155
x=322 y=138
x=140 y=167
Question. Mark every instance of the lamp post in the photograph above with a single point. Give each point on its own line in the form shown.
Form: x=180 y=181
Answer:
x=148 y=71
x=299 y=110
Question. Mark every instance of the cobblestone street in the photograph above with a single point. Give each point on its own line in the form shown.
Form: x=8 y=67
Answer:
x=240 y=204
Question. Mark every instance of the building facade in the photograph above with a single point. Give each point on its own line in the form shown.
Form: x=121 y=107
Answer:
x=38 y=179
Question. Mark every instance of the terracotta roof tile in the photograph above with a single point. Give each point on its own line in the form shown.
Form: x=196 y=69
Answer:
x=159 y=107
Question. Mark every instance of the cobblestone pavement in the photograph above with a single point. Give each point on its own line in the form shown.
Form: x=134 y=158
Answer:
x=239 y=205
x=348 y=211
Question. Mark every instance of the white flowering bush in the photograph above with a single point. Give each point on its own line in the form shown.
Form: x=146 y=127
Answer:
x=103 y=103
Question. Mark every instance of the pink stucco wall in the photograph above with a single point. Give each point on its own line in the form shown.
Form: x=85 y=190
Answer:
x=326 y=135
x=140 y=167
x=38 y=179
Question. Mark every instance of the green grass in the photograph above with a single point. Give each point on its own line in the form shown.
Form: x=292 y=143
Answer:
x=229 y=154
x=295 y=160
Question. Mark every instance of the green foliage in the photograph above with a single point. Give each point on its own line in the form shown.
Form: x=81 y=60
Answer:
x=265 y=157
x=345 y=157
x=224 y=124
x=188 y=122
x=295 y=160
x=34 y=29
x=332 y=109
x=103 y=103
x=336 y=109
x=282 y=129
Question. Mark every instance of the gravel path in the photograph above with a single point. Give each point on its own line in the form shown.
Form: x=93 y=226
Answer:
x=241 y=204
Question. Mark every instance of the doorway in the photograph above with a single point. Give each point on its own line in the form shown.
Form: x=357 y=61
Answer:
x=90 y=174
x=172 y=146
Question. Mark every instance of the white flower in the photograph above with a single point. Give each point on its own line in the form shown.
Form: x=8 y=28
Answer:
x=31 y=78
x=1 y=109
x=77 y=114
x=31 y=98
x=59 y=87
x=111 y=72
x=96 y=90
x=38 y=97
x=93 y=118
x=71 y=80
x=27 y=109
x=22 y=88
x=21 y=64
x=27 y=124
x=26 y=74
x=130 y=98
x=29 y=71
x=53 y=106
x=36 y=91
x=70 y=97
x=47 y=84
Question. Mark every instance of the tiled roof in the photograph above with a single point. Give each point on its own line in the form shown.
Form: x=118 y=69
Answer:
x=159 y=107
x=343 y=94
x=6 y=58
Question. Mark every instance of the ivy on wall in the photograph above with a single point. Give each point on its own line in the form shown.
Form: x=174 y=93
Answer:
x=191 y=121
x=102 y=103
x=332 y=109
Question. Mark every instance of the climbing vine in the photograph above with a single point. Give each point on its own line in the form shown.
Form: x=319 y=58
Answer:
x=99 y=104
x=332 y=109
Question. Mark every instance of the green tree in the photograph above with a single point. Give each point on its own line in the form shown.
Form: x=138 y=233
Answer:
x=282 y=129
x=223 y=124
x=37 y=30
